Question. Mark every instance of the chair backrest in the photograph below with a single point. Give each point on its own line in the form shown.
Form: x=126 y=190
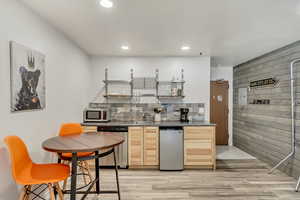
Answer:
x=19 y=155
x=70 y=129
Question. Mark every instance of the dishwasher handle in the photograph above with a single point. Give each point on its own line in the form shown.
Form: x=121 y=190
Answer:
x=176 y=128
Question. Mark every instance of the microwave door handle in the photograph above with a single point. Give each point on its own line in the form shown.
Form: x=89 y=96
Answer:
x=104 y=115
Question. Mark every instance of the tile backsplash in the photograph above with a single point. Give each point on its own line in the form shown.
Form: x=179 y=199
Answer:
x=145 y=111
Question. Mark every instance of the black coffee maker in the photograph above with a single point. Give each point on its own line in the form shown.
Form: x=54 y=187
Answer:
x=184 y=114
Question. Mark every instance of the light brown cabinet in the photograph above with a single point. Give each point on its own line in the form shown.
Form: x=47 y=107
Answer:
x=89 y=129
x=143 y=146
x=135 y=146
x=151 y=146
x=199 y=146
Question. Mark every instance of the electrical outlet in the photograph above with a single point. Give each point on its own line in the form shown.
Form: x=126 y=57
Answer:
x=201 y=110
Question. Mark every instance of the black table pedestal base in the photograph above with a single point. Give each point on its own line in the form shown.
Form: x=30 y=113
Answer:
x=73 y=192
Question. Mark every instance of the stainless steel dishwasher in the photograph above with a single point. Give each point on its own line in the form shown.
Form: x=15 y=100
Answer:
x=121 y=150
x=171 y=148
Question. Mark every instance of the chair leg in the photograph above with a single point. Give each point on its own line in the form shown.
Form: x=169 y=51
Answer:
x=87 y=166
x=65 y=181
x=60 y=194
x=23 y=193
x=82 y=168
x=50 y=187
x=27 y=194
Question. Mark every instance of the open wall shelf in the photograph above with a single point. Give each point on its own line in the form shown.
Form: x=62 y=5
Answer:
x=170 y=82
x=118 y=89
x=117 y=96
x=173 y=89
x=170 y=97
x=117 y=82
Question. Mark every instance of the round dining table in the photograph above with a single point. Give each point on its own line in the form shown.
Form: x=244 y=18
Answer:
x=86 y=142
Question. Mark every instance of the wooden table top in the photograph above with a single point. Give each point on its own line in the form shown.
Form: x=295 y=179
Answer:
x=86 y=142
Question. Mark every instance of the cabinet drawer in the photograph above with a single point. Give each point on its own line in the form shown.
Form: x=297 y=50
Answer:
x=198 y=145
x=154 y=130
x=135 y=129
x=194 y=133
x=198 y=157
x=89 y=129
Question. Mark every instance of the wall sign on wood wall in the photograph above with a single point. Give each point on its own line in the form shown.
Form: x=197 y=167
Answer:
x=242 y=96
x=263 y=82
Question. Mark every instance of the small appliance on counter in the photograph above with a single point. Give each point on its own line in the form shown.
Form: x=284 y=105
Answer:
x=174 y=92
x=157 y=115
x=96 y=115
x=184 y=112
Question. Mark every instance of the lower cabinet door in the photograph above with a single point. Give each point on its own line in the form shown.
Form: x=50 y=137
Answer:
x=199 y=146
x=151 y=146
x=135 y=146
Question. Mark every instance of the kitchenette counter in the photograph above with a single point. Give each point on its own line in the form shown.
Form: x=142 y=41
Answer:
x=149 y=123
x=148 y=142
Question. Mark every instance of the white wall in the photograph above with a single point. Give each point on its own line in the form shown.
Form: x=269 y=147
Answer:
x=226 y=73
x=196 y=73
x=67 y=84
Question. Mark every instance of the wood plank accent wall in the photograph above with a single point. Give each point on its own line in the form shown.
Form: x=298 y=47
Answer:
x=265 y=130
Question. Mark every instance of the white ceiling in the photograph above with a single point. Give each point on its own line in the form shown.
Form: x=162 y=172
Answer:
x=232 y=31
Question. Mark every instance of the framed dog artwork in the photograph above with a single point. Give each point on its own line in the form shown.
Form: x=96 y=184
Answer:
x=27 y=74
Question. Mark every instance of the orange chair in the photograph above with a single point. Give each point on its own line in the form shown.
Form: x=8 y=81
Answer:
x=75 y=129
x=27 y=173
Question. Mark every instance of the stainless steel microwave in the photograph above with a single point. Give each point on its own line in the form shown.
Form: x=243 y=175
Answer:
x=96 y=115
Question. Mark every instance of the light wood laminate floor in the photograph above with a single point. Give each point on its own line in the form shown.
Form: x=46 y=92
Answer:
x=233 y=180
x=225 y=152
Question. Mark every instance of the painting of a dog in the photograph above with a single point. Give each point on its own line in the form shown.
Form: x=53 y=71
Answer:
x=27 y=78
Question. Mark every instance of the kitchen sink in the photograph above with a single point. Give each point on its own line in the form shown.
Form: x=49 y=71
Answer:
x=143 y=122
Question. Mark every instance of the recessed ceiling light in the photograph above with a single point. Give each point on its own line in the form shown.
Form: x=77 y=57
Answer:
x=106 y=3
x=124 y=47
x=185 y=48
